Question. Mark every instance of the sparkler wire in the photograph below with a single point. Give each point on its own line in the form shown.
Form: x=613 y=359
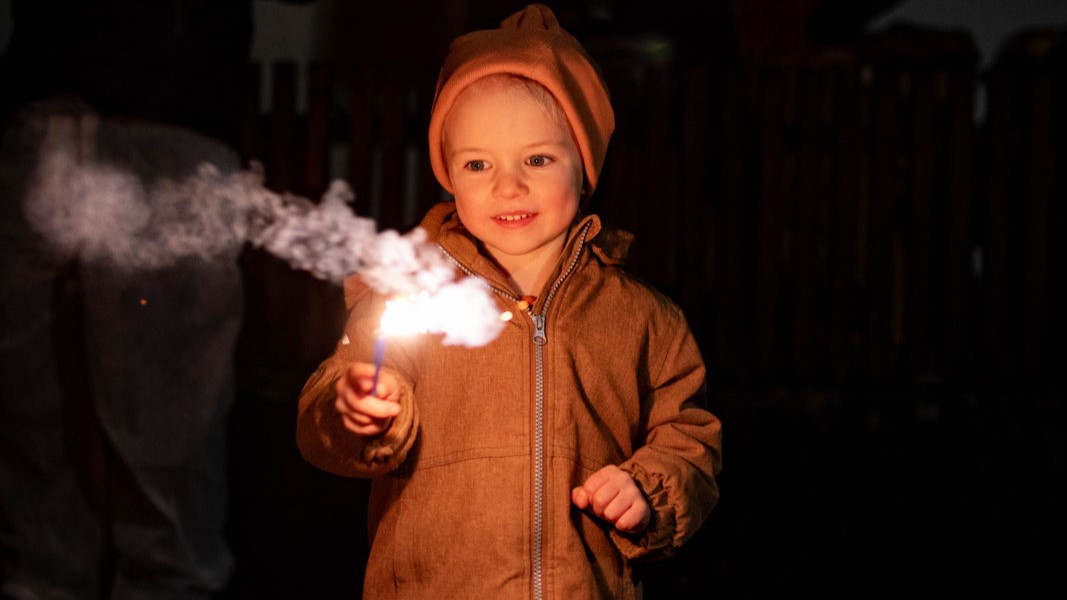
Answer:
x=379 y=355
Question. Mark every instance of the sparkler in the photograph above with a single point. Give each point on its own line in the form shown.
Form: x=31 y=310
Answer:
x=396 y=320
x=401 y=317
x=386 y=327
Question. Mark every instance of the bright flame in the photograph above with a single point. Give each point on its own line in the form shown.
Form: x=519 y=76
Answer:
x=403 y=316
x=463 y=312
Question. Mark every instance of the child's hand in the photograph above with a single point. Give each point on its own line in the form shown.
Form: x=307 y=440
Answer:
x=613 y=496
x=363 y=412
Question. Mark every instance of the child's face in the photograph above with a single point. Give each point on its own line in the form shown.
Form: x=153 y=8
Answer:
x=516 y=171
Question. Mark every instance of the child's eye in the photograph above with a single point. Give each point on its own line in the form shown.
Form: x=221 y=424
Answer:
x=539 y=160
x=475 y=165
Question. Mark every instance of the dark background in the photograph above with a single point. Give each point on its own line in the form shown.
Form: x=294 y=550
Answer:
x=871 y=264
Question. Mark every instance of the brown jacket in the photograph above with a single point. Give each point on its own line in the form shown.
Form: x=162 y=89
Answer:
x=471 y=489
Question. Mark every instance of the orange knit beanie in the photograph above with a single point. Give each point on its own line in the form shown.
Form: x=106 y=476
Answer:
x=531 y=44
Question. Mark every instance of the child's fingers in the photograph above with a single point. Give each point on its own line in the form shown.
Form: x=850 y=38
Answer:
x=360 y=370
x=595 y=494
x=357 y=380
x=360 y=377
x=625 y=507
x=346 y=398
x=612 y=507
x=599 y=478
x=635 y=519
x=361 y=420
x=358 y=420
x=611 y=494
x=364 y=425
x=605 y=485
x=596 y=491
x=364 y=415
x=580 y=498
x=375 y=407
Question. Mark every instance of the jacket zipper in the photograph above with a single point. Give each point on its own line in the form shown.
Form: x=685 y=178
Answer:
x=540 y=338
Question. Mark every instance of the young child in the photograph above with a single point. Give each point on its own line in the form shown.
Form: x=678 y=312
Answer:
x=576 y=442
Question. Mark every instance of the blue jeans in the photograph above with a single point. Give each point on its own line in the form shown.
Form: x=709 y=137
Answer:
x=114 y=392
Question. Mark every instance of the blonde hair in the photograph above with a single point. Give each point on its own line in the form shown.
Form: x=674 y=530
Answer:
x=540 y=94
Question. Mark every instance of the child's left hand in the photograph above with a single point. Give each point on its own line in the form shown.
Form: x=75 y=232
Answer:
x=612 y=495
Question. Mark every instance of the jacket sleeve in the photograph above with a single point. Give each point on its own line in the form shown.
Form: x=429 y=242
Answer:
x=321 y=435
x=682 y=451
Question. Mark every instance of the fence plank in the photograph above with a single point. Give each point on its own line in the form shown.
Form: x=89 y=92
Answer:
x=999 y=320
x=250 y=137
x=283 y=128
x=801 y=307
x=1036 y=234
x=918 y=233
x=880 y=272
x=847 y=224
x=772 y=191
x=696 y=226
x=960 y=343
x=733 y=346
x=361 y=141
x=391 y=195
x=320 y=104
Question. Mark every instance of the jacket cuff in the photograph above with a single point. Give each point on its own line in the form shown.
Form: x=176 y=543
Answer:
x=658 y=539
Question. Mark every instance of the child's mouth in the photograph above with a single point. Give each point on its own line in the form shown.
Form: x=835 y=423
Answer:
x=514 y=218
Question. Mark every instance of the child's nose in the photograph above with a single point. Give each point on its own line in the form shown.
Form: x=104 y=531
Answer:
x=509 y=183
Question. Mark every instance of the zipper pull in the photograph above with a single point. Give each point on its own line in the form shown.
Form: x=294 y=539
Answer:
x=539 y=337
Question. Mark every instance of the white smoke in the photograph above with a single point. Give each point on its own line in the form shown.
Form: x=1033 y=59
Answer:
x=101 y=212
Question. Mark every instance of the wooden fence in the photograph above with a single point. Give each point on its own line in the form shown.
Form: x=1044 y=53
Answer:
x=821 y=225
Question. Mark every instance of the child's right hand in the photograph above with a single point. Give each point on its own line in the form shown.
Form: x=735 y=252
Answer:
x=364 y=412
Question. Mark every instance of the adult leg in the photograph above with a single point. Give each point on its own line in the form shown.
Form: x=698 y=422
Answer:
x=161 y=363
x=52 y=537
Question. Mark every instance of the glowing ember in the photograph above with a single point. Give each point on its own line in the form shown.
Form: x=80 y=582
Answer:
x=403 y=317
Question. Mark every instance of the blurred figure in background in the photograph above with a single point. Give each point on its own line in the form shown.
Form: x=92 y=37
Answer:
x=115 y=387
x=116 y=382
